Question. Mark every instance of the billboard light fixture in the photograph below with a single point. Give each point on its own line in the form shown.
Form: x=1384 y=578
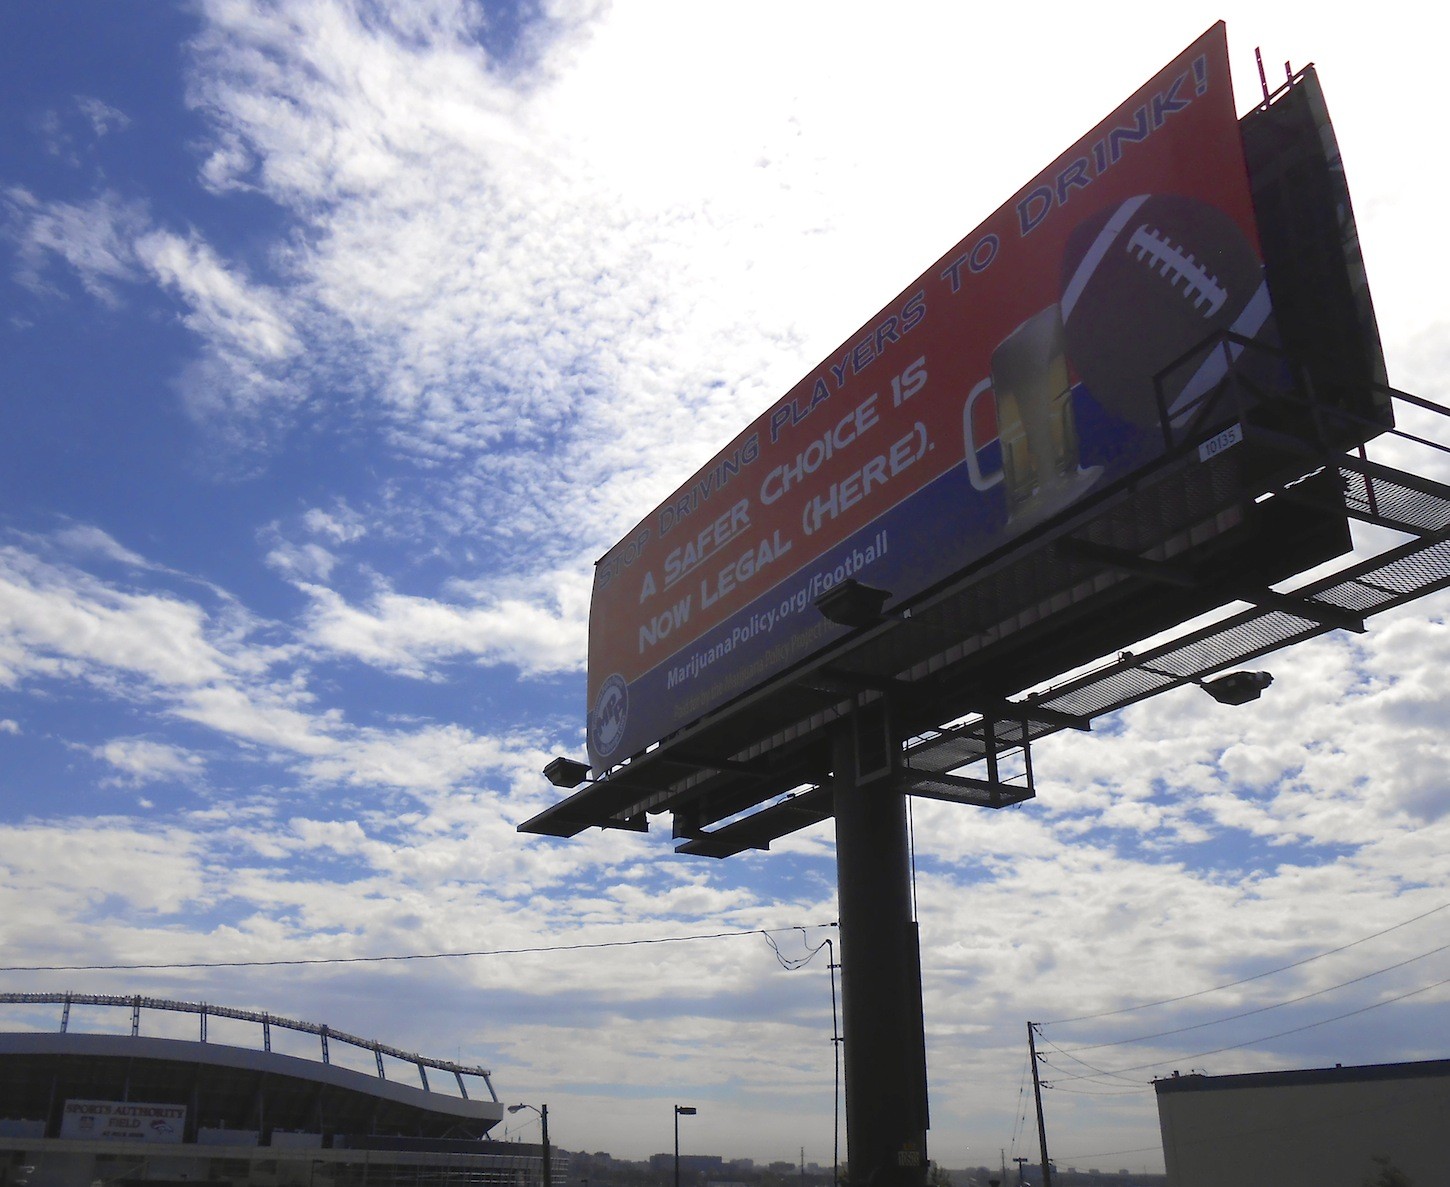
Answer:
x=566 y=772
x=1233 y=688
x=850 y=603
x=1237 y=688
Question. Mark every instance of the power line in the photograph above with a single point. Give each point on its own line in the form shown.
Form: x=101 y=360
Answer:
x=791 y=963
x=1167 y=1001
x=1138 y=1091
x=1096 y=1071
x=1019 y=1121
x=326 y=960
x=1304 y=997
x=1389 y=1001
x=1108 y=1154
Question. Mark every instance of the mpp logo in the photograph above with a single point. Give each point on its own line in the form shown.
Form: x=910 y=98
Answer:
x=611 y=711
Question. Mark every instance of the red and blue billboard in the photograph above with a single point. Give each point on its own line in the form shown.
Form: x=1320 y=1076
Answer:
x=1012 y=379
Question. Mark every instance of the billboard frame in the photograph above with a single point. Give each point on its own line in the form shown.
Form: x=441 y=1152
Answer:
x=713 y=771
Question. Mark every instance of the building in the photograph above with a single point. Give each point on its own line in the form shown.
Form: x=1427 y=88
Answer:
x=1325 y=1127
x=694 y=1167
x=80 y=1109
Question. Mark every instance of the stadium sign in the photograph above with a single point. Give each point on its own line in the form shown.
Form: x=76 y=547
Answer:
x=115 y=1120
x=1037 y=364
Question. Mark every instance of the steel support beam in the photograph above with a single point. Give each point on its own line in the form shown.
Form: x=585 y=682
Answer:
x=882 y=1025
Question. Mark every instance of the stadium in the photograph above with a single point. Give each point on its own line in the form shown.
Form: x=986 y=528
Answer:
x=83 y=1107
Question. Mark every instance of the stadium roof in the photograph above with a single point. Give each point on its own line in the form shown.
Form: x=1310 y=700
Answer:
x=233 y=1086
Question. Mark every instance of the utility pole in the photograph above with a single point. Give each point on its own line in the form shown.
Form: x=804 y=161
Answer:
x=1037 y=1095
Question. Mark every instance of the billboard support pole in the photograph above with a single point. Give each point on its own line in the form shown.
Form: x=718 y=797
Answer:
x=882 y=1022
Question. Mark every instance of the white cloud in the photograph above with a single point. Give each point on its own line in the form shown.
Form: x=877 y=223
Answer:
x=90 y=539
x=302 y=562
x=218 y=669
x=64 y=867
x=141 y=761
x=94 y=238
x=341 y=523
x=104 y=118
x=58 y=621
x=423 y=760
x=227 y=165
x=74 y=141
x=308 y=548
x=411 y=634
x=112 y=245
x=226 y=311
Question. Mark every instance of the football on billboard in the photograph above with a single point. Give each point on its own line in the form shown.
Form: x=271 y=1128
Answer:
x=1147 y=281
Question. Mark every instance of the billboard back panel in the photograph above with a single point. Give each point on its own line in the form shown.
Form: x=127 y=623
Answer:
x=1312 y=259
x=1016 y=377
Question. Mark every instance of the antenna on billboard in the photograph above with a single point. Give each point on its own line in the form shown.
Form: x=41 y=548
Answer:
x=1263 y=79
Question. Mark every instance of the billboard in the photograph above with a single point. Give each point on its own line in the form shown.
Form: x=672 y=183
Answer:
x=128 y=1121
x=1019 y=375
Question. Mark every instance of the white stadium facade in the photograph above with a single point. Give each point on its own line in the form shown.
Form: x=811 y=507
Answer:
x=82 y=1106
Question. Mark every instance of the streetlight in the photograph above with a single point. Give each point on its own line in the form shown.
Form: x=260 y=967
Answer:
x=680 y=1111
x=543 y=1112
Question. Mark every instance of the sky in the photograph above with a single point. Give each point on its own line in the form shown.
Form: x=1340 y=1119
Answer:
x=339 y=339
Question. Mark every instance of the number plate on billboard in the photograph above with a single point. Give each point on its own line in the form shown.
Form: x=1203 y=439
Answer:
x=1216 y=444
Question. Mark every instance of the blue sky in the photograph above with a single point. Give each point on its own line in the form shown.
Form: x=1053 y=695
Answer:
x=339 y=341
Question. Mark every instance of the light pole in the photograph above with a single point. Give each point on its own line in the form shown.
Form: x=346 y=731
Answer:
x=680 y=1111
x=543 y=1112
